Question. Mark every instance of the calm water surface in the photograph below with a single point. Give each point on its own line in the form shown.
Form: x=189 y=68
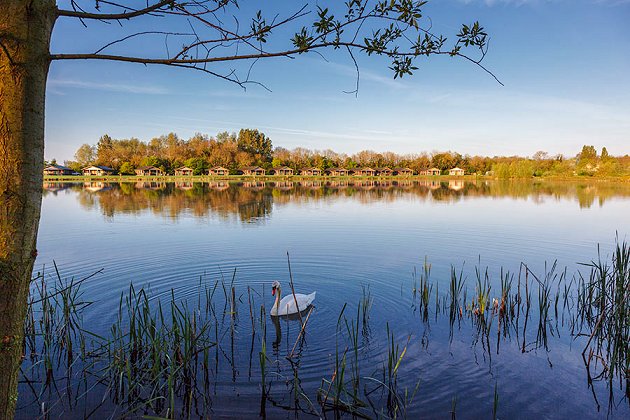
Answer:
x=342 y=237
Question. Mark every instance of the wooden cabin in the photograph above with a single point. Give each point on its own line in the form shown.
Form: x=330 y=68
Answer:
x=283 y=171
x=253 y=171
x=184 y=171
x=430 y=172
x=384 y=171
x=57 y=170
x=338 y=172
x=149 y=171
x=403 y=171
x=311 y=172
x=218 y=171
x=97 y=171
x=367 y=171
x=456 y=172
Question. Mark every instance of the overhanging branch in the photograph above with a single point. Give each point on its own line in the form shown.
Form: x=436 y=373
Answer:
x=115 y=16
x=394 y=32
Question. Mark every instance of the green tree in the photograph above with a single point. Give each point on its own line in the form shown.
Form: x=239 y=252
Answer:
x=126 y=168
x=501 y=170
x=588 y=153
x=255 y=143
x=74 y=165
x=222 y=31
x=605 y=156
x=587 y=161
x=197 y=164
x=104 y=149
x=85 y=155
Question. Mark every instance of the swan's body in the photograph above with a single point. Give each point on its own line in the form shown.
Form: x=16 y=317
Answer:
x=286 y=305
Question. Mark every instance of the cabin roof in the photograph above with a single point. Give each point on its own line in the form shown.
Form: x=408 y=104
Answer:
x=147 y=168
x=53 y=167
x=101 y=167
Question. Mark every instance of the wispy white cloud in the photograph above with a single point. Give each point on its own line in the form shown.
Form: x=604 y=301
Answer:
x=57 y=84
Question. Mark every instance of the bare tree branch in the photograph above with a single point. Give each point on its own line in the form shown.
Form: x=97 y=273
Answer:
x=115 y=16
x=140 y=34
x=387 y=28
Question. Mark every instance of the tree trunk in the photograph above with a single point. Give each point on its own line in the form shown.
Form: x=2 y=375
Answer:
x=25 y=28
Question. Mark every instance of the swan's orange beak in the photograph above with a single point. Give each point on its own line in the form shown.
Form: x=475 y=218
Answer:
x=273 y=291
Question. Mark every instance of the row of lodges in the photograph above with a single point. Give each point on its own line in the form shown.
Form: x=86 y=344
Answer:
x=150 y=171
x=59 y=170
x=340 y=172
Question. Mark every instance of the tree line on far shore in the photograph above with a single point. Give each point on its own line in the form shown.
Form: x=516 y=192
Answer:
x=251 y=147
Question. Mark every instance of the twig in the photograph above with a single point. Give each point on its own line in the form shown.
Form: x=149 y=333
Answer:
x=301 y=333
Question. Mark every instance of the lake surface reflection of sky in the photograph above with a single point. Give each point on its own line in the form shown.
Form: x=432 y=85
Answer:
x=342 y=237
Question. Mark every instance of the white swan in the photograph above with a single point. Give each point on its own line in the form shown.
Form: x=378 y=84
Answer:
x=287 y=306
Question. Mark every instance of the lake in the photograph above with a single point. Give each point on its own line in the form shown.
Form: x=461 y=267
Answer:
x=351 y=241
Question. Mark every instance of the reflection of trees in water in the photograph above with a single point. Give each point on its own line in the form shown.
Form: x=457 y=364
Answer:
x=253 y=201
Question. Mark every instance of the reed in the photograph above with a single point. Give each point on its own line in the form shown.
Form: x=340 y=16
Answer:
x=166 y=357
x=495 y=401
x=605 y=314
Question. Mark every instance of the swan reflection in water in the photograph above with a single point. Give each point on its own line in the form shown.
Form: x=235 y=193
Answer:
x=277 y=320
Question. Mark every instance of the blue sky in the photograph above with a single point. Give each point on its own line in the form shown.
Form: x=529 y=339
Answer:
x=565 y=65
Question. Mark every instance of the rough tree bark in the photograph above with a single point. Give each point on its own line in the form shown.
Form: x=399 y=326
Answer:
x=25 y=29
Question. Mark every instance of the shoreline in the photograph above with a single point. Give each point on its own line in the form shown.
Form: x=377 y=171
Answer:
x=268 y=178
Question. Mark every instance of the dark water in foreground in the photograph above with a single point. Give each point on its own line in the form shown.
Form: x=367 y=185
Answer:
x=343 y=238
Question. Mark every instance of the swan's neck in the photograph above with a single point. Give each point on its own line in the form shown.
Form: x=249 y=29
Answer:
x=276 y=304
